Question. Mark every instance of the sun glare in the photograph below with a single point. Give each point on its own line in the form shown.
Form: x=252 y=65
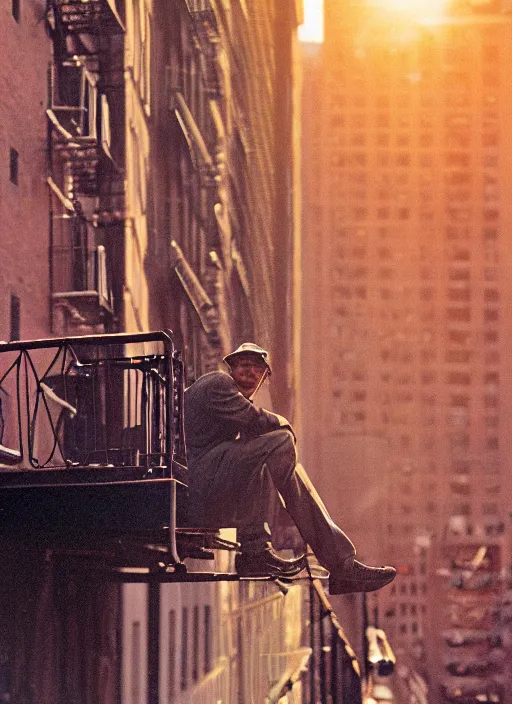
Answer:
x=413 y=7
x=313 y=28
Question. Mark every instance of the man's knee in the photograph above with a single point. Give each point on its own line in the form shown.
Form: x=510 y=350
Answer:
x=282 y=436
x=283 y=442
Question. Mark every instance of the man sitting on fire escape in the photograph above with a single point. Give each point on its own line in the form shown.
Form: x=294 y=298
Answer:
x=239 y=457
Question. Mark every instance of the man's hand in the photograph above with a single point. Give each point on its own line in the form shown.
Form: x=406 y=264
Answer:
x=285 y=423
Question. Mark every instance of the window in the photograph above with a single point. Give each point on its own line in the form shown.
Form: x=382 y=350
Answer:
x=491 y=315
x=459 y=337
x=195 y=645
x=491 y=401
x=490 y=509
x=458 y=356
x=460 y=315
x=76 y=93
x=458 y=232
x=15 y=318
x=460 y=255
x=493 y=443
x=491 y=295
x=207 y=638
x=403 y=159
x=15 y=8
x=358 y=139
x=492 y=357
x=459 y=274
x=13 y=166
x=490 y=233
x=184 y=649
x=459 y=401
x=459 y=294
x=136 y=663
x=359 y=396
x=141 y=58
x=459 y=378
x=172 y=655
x=491 y=213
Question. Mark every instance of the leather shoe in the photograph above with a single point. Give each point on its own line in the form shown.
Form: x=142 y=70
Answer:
x=354 y=576
x=267 y=563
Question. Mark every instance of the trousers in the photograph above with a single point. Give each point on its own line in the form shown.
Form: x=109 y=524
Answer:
x=237 y=487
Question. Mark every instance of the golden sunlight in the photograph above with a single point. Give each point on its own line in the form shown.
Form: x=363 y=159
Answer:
x=427 y=8
x=313 y=28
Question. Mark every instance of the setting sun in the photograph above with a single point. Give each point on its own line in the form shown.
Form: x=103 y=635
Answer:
x=313 y=28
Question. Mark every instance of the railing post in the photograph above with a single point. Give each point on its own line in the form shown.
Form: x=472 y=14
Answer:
x=170 y=444
x=335 y=682
x=323 y=674
x=312 y=669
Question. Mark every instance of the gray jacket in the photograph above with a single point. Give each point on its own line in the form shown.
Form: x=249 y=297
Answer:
x=216 y=412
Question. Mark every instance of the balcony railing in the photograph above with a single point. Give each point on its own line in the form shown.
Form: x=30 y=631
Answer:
x=86 y=402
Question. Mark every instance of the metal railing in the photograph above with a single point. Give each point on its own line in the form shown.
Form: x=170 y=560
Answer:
x=333 y=674
x=80 y=264
x=92 y=430
x=93 y=401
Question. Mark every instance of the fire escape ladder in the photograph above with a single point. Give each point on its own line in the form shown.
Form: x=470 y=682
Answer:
x=74 y=117
x=208 y=42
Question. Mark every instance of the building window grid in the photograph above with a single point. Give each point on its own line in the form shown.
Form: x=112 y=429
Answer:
x=465 y=234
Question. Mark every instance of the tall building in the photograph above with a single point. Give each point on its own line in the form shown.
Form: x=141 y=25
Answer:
x=407 y=172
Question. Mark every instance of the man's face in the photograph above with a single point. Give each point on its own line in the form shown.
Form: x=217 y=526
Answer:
x=246 y=371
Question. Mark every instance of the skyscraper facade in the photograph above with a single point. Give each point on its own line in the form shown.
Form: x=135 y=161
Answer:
x=407 y=212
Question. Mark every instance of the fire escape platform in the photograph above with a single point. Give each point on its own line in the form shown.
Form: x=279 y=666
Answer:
x=91 y=306
x=87 y=500
x=89 y=16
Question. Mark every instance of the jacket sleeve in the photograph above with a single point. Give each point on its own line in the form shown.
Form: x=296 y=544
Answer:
x=228 y=404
